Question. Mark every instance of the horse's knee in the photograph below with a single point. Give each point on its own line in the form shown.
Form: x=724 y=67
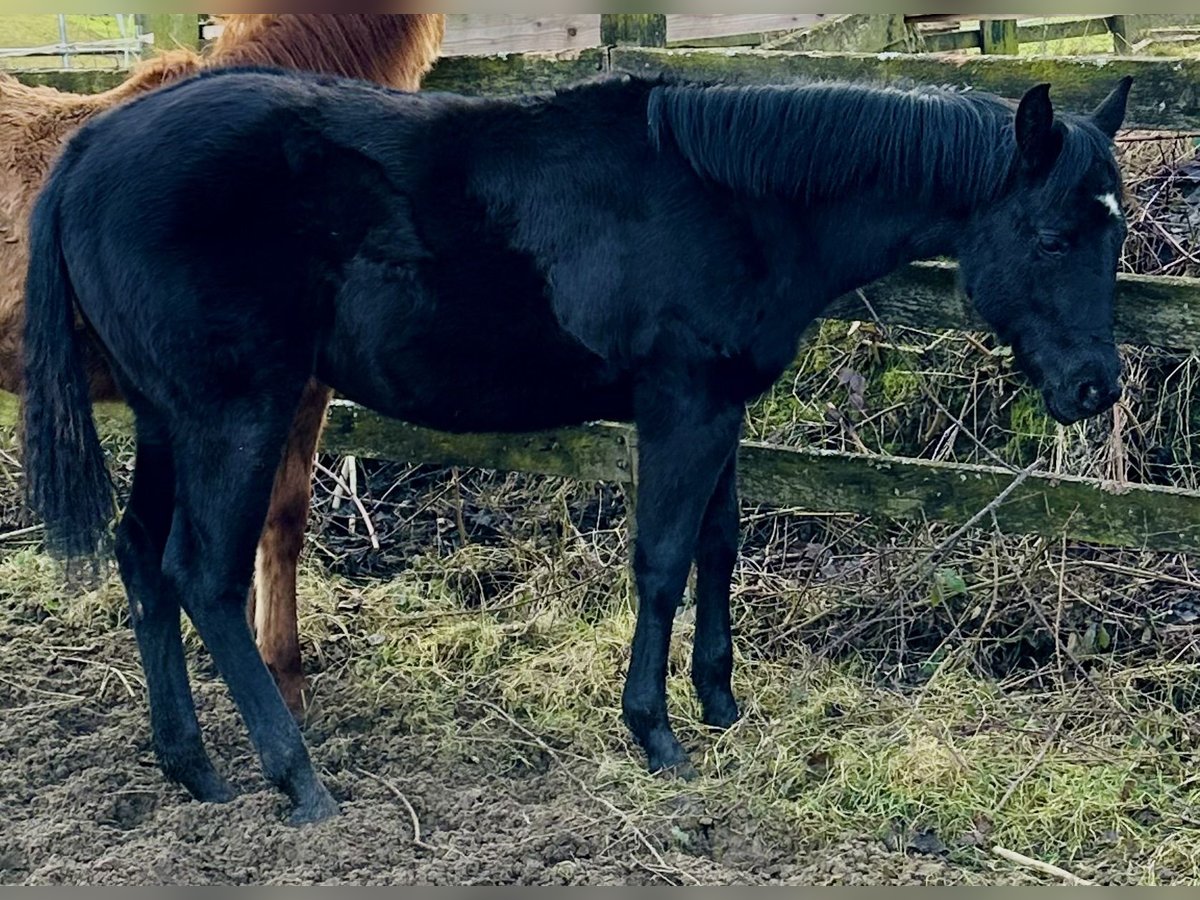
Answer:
x=660 y=572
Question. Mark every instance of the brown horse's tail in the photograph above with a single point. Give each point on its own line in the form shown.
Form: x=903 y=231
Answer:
x=67 y=481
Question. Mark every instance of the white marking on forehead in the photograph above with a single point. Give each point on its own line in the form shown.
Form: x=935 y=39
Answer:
x=1109 y=202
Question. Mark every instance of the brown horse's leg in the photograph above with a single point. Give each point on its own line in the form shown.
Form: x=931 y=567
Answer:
x=273 y=596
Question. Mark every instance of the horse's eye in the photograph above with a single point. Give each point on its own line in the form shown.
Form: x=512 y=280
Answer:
x=1052 y=244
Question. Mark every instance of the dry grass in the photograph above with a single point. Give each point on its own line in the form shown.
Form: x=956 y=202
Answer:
x=965 y=714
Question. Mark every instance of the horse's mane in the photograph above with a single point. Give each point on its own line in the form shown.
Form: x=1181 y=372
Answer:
x=165 y=68
x=395 y=50
x=815 y=141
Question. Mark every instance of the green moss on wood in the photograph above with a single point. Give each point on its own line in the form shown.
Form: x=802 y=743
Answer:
x=1142 y=516
x=638 y=29
x=600 y=454
x=1139 y=516
x=79 y=81
x=900 y=385
x=999 y=36
x=514 y=73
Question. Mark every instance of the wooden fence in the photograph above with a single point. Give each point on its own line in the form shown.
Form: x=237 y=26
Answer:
x=1005 y=34
x=489 y=34
x=1156 y=311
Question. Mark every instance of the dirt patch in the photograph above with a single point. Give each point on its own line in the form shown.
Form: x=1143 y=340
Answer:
x=82 y=800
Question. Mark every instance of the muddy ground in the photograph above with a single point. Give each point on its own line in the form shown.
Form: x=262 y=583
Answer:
x=82 y=801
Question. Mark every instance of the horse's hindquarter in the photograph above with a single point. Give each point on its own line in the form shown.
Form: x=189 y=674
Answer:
x=180 y=229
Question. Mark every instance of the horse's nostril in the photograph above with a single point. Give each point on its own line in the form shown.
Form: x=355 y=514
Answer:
x=1093 y=397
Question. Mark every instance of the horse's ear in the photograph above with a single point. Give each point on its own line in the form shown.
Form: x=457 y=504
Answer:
x=1109 y=115
x=1037 y=140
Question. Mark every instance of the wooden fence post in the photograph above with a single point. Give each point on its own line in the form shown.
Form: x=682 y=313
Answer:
x=999 y=36
x=638 y=30
x=171 y=31
x=1124 y=34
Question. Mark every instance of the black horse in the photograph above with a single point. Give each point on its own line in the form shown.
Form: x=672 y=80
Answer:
x=624 y=249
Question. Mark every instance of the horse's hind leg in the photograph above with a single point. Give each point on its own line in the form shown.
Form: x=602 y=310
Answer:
x=716 y=555
x=141 y=539
x=274 y=593
x=224 y=469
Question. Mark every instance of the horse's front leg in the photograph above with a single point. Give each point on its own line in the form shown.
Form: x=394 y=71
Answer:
x=684 y=441
x=273 y=596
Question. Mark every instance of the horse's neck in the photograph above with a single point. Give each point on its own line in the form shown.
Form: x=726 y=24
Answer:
x=395 y=50
x=858 y=241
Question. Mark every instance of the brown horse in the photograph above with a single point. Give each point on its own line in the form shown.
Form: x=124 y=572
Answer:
x=396 y=50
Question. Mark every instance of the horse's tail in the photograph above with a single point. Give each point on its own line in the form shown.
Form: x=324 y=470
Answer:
x=67 y=481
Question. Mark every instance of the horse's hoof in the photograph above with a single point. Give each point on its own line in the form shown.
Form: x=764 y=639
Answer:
x=667 y=757
x=221 y=792
x=317 y=809
x=720 y=711
x=201 y=781
x=683 y=770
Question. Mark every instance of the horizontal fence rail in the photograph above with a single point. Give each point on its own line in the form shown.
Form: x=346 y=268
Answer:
x=472 y=34
x=1160 y=518
x=106 y=46
x=1144 y=516
x=1166 y=93
x=1154 y=311
x=493 y=33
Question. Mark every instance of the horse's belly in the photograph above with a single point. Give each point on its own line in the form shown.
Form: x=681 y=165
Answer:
x=472 y=367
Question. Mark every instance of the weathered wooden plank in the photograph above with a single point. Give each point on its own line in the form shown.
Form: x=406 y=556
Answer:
x=466 y=74
x=848 y=33
x=515 y=73
x=890 y=487
x=489 y=34
x=999 y=36
x=1028 y=32
x=634 y=29
x=76 y=81
x=1166 y=92
x=821 y=481
x=947 y=41
x=599 y=453
x=1141 y=516
x=684 y=30
x=1153 y=311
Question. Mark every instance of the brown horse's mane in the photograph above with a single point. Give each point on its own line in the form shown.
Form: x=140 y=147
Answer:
x=153 y=73
x=395 y=50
